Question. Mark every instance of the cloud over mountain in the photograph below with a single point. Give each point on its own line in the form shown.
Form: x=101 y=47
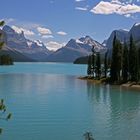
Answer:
x=116 y=7
x=61 y=33
x=44 y=31
x=53 y=45
x=26 y=31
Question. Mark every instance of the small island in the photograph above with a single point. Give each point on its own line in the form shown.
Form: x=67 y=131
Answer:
x=120 y=66
x=6 y=60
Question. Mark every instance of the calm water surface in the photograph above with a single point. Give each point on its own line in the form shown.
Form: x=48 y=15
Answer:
x=48 y=102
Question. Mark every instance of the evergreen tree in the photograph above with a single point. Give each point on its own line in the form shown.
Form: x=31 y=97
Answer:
x=105 y=64
x=137 y=67
x=3 y=112
x=1 y=42
x=113 y=72
x=2 y=105
x=93 y=64
x=89 y=72
x=4 y=59
x=125 y=69
x=116 y=62
x=98 y=66
x=138 y=63
x=133 y=71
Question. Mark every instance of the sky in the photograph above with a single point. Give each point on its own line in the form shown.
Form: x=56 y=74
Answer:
x=55 y=22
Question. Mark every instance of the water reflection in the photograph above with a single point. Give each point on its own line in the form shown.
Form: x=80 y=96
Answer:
x=119 y=108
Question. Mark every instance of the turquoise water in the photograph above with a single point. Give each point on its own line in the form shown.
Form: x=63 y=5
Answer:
x=48 y=102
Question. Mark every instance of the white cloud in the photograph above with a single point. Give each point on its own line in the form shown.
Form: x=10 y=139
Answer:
x=81 y=8
x=52 y=45
x=115 y=7
x=19 y=30
x=44 y=31
x=47 y=36
x=61 y=33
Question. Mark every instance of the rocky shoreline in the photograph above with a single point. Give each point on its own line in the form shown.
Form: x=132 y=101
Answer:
x=130 y=85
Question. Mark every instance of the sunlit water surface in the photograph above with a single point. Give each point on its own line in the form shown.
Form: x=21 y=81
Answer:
x=49 y=102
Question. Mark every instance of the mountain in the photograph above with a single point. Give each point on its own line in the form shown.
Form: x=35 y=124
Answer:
x=34 y=50
x=121 y=35
x=74 y=49
x=16 y=56
x=135 y=31
x=124 y=35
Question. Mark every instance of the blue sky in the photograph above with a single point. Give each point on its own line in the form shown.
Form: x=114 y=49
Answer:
x=55 y=22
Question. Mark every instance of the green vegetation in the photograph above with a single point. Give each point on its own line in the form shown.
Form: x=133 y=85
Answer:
x=94 y=65
x=123 y=66
x=4 y=59
x=3 y=114
x=98 y=66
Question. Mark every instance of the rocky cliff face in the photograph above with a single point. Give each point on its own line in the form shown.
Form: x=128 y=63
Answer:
x=124 y=35
x=34 y=50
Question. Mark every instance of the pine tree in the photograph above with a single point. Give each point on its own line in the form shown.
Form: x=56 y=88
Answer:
x=116 y=62
x=125 y=69
x=89 y=72
x=3 y=112
x=133 y=60
x=138 y=64
x=93 y=64
x=1 y=42
x=98 y=66
x=113 y=73
x=105 y=64
x=4 y=59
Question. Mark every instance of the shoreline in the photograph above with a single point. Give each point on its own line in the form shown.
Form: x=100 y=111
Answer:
x=129 y=85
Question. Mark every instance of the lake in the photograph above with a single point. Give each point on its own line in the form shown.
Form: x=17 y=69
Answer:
x=49 y=102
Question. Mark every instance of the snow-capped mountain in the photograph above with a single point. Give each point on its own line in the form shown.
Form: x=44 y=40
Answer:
x=74 y=49
x=85 y=43
x=35 y=50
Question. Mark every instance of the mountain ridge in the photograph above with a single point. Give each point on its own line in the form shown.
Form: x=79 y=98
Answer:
x=74 y=49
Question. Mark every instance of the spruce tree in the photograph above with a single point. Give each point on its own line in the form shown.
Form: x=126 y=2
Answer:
x=93 y=64
x=1 y=42
x=125 y=69
x=138 y=63
x=98 y=66
x=116 y=62
x=133 y=71
x=89 y=68
x=4 y=59
x=105 y=64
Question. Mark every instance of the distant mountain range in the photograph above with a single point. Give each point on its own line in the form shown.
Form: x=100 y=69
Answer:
x=23 y=49
x=74 y=49
x=122 y=35
x=16 y=42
